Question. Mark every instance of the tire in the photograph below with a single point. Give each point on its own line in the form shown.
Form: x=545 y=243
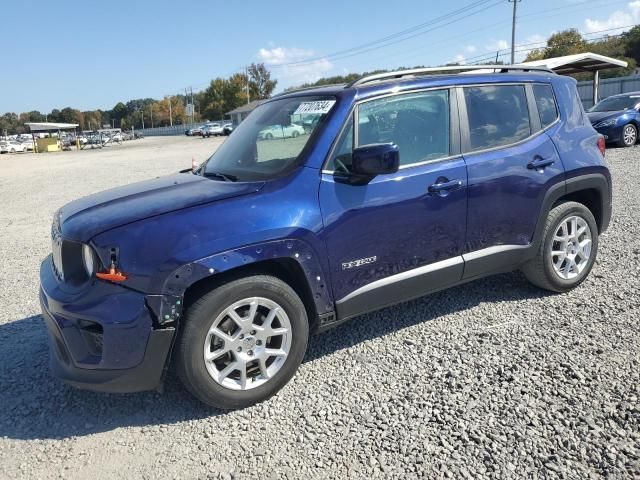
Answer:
x=13 y=150
x=541 y=271
x=211 y=310
x=295 y=134
x=268 y=136
x=629 y=136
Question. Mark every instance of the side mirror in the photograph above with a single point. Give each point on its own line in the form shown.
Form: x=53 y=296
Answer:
x=375 y=159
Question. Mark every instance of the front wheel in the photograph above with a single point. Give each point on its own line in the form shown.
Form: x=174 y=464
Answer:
x=568 y=249
x=629 y=136
x=242 y=342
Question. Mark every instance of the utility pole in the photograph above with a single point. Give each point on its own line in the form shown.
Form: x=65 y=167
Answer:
x=151 y=111
x=246 y=72
x=513 y=30
x=170 y=114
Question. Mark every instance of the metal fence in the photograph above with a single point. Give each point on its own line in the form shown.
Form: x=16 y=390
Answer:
x=608 y=87
x=175 y=129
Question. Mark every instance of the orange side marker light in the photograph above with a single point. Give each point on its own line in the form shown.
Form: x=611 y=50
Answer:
x=112 y=275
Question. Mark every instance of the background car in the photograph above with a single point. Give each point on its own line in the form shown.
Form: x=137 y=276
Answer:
x=227 y=128
x=617 y=118
x=12 y=146
x=28 y=144
x=281 y=131
x=194 y=132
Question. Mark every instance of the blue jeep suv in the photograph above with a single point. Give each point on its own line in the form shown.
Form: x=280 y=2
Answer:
x=398 y=185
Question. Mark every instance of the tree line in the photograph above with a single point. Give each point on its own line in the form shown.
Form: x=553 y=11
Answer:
x=221 y=96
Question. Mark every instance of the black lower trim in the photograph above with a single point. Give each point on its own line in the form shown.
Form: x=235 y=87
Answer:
x=400 y=288
x=146 y=376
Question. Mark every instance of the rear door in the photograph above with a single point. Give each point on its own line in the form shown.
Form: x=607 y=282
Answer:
x=511 y=163
x=402 y=234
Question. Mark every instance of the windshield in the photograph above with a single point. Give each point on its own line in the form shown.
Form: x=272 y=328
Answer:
x=613 y=104
x=270 y=140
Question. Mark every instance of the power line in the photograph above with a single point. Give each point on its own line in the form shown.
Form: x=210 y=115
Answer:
x=393 y=38
x=591 y=40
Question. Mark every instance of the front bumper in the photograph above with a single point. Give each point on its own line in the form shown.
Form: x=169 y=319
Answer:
x=611 y=134
x=103 y=338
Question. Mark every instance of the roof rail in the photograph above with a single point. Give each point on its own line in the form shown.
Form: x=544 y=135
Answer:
x=450 y=68
x=302 y=89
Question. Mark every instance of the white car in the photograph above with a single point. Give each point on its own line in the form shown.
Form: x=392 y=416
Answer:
x=212 y=129
x=280 y=131
x=12 y=147
x=28 y=144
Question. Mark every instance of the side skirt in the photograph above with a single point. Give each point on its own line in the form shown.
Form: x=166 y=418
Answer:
x=401 y=287
x=428 y=279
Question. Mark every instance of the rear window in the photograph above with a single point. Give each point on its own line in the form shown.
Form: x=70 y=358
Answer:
x=546 y=103
x=498 y=115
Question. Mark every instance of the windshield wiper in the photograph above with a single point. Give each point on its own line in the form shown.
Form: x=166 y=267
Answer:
x=223 y=176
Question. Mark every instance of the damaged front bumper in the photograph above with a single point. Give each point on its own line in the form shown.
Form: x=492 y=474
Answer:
x=106 y=338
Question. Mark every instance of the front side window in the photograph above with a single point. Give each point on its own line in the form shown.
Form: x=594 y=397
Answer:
x=498 y=115
x=270 y=140
x=546 y=103
x=418 y=123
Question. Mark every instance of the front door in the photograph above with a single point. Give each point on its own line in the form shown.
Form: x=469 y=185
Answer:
x=401 y=235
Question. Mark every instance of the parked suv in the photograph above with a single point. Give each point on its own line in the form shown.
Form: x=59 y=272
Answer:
x=407 y=183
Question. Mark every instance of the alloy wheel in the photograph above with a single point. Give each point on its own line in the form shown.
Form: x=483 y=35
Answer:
x=629 y=135
x=248 y=343
x=571 y=247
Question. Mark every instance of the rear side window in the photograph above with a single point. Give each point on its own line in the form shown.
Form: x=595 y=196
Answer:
x=498 y=115
x=546 y=103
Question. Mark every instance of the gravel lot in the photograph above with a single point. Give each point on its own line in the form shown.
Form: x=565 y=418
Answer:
x=492 y=379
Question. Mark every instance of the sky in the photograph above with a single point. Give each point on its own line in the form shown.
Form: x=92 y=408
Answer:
x=91 y=55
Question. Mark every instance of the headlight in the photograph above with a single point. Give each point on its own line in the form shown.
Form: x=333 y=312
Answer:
x=606 y=123
x=88 y=259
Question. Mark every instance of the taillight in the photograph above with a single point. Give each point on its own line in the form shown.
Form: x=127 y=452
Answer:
x=601 y=145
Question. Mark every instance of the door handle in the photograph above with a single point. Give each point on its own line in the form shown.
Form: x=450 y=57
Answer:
x=445 y=186
x=540 y=163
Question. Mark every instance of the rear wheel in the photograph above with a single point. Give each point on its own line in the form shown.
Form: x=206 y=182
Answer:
x=568 y=249
x=629 y=136
x=242 y=342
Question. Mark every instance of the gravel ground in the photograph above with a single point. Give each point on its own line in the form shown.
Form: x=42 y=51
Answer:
x=494 y=379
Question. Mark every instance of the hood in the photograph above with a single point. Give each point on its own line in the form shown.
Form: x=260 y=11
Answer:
x=86 y=217
x=595 y=117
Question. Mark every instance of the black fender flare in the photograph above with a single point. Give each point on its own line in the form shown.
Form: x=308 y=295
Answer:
x=590 y=181
x=295 y=249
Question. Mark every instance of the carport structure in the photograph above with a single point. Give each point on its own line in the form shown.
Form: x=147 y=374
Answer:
x=48 y=127
x=580 y=63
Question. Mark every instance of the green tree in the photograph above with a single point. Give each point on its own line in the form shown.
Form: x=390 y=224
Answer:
x=260 y=84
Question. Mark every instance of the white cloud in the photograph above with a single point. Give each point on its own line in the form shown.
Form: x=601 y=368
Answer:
x=497 y=45
x=459 y=59
x=470 y=48
x=290 y=72
x=616 y=20
x=536 y=38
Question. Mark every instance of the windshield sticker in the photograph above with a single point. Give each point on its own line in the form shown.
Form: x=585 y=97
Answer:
x=319 y=107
